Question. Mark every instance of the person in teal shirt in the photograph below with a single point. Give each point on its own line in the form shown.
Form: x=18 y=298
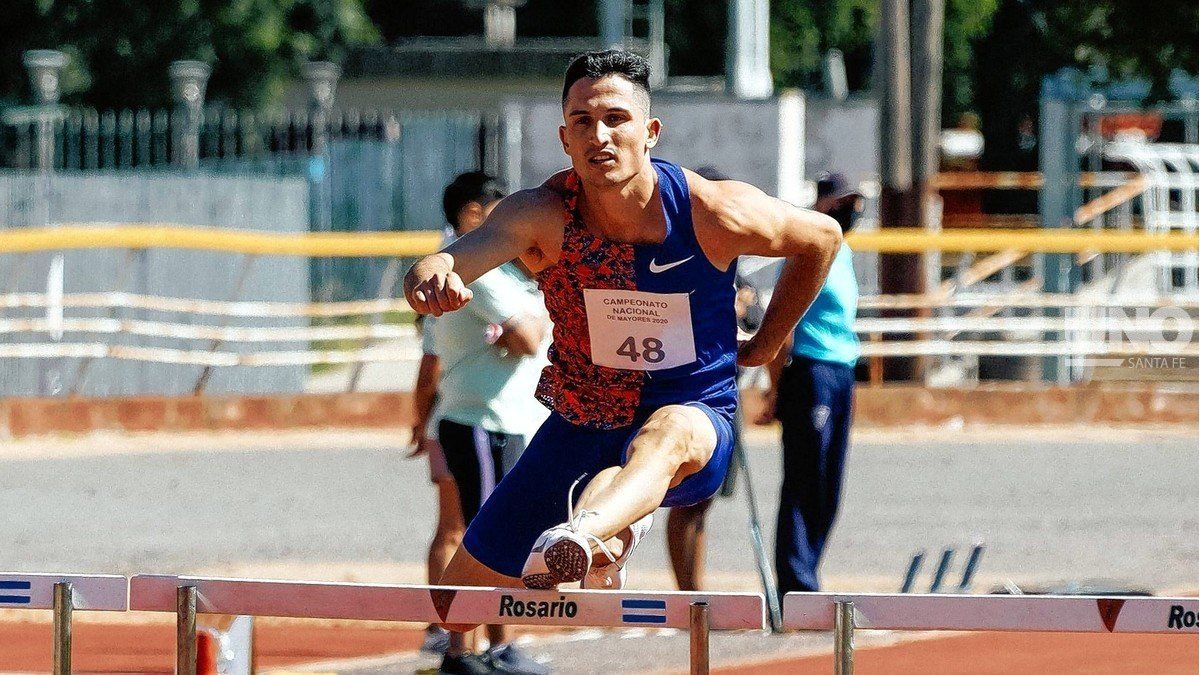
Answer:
x=812 y=396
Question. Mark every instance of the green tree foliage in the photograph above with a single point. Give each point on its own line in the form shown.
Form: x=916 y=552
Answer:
x=119 y=50
x=966 y=21
x=1032 y=38
x=802 y=31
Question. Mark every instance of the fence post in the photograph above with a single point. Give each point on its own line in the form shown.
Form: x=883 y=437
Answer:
x=185 y=630
x=189 y=79
x=63 y=604
x=698 y=633
x=321 y=78
x=843 y=638
x=45 y=68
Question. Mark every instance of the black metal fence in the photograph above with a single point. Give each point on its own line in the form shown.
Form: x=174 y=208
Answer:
x=89 y=139
x=366 y=170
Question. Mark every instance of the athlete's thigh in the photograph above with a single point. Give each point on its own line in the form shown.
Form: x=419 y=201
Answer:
x=698 y=485
x=683 y=434
x=532 y=497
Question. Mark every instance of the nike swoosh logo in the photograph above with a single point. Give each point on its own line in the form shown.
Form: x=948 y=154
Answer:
x=656 y=268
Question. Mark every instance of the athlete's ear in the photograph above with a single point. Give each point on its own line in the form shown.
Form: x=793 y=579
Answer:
x=562 y=136
x=653 y=129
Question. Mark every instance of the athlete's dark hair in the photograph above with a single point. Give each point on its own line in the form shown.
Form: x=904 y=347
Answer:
x=596 y=65
x=473 y=186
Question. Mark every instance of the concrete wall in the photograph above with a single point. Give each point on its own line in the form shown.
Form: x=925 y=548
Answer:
x=842 y=136
x=245 y=202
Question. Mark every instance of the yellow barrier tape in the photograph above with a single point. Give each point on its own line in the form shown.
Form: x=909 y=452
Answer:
x=144 y=236
x=915 y=240
x=408 y=244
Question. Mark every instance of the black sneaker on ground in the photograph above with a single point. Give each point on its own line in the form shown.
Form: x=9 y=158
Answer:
x=512 y=661
x=437 y=641
x=466 y=664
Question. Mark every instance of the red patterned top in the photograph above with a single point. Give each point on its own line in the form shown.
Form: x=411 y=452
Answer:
x=581 y=391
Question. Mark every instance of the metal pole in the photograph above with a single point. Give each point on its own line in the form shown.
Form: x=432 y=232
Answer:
x=698 y=628
x=843 y=638
x=63 y=604
x=914 y=568
x=185 y=630
x=972 y=564
x=927 y=17
x=939 y=574
x=765 y=573
x=898 y=272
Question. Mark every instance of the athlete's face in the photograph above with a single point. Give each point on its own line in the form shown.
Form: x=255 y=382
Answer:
x=608 y=131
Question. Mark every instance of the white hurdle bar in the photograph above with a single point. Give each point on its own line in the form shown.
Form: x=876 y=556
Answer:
x=695 y=612
x=64 y=593
x=843 y=613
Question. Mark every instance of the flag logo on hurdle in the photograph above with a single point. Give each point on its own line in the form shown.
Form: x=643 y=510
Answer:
x=1110 y=609
x=635 y=610
x=10 y=595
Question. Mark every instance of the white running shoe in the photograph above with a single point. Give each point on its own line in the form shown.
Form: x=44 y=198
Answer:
x=562 y=554
x=611 y=577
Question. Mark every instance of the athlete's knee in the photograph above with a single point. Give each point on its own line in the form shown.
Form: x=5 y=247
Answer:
x=682 y=433
x=670 y=429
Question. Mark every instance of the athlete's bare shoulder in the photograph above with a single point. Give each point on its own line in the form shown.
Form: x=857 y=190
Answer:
x=718 y=209
x=733 y=218
x=536 y=214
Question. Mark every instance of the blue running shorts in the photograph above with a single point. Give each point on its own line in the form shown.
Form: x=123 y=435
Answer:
x=532 y=497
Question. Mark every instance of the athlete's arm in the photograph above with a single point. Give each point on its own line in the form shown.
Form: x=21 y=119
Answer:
x=774 y=370
x=522 y=335
x=736 y=219
x=438 y=282
x=423 y=399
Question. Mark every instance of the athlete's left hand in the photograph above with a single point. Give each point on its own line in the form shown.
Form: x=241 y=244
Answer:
x=757 y=351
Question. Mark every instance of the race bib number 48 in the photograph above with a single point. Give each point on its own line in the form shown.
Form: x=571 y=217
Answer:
x=632 y=330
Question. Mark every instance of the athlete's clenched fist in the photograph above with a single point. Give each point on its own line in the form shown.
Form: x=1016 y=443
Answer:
x=432 y=287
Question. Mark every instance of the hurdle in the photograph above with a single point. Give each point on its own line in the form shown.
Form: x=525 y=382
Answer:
x=698 y=613
x=843 y=613
x=64 y=593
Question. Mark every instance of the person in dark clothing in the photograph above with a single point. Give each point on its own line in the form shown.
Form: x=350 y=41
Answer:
x=811 y=393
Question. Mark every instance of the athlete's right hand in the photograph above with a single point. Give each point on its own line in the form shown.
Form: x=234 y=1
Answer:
x=432 y=287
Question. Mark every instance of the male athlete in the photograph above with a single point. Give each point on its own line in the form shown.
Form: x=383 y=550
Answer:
x=636 y=260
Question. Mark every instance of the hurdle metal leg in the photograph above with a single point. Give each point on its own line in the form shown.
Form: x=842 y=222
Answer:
x=64 y=602
x=843 y=638
x=698 y=629
x=185 y=630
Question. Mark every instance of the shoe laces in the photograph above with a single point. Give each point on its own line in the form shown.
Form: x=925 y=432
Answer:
x=573 y=520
